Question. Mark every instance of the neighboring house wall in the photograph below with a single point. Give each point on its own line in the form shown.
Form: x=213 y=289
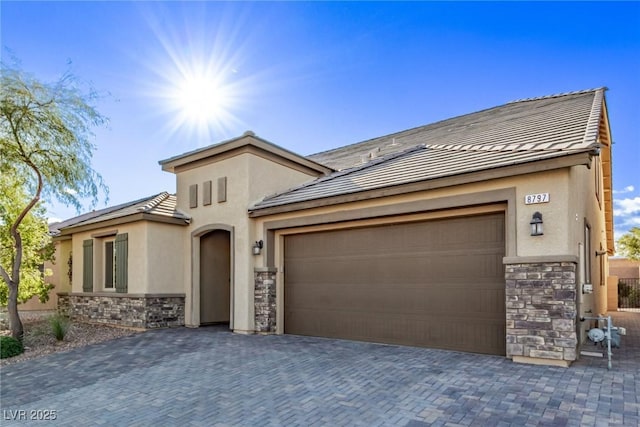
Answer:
x=624 y=268
x=620 y=268
x=59 y=278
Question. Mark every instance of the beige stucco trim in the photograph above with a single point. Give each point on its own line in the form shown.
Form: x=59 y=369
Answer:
x=540 y=259
x=193 y=295
x=583 y=158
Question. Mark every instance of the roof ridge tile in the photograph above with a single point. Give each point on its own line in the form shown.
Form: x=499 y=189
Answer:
x=559 y=95
x=155 y=201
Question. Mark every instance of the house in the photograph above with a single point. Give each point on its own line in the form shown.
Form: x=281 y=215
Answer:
x=485 y=233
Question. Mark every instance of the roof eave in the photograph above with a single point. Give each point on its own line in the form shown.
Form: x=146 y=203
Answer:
x=568 y=160
x=248 y=139
x=138 y=216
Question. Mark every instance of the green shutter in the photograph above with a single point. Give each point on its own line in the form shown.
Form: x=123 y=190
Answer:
x=122 y=264
x=87 y=265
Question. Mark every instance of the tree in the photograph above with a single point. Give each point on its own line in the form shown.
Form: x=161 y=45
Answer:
x=45 y=133
x=37 y=246
x=629 y=244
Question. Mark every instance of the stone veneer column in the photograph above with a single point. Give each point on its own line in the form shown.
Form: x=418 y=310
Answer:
x=541 y=312
x=265 y=299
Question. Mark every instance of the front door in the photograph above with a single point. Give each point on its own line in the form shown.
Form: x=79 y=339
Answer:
x=215 y=277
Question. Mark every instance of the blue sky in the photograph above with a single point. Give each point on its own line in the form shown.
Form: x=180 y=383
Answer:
x=310 y=76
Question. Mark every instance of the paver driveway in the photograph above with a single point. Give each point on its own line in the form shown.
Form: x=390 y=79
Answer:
x=211 y=377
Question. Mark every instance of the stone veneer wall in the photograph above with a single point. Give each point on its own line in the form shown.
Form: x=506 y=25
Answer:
x=265 y=300
x=146 y=311
x=541 y=310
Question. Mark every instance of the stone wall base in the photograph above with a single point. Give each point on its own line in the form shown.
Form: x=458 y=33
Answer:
x=146 y=311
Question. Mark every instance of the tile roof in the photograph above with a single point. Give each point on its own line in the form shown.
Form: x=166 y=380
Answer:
x=515 y=133
x=162 y=205
x=556 y=122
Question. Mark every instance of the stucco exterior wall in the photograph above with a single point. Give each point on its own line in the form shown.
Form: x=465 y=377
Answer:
x=137 y=241
x=164 y=260
x=522 y=244
x=587 y=208
x=227 y=214
x=248 y=178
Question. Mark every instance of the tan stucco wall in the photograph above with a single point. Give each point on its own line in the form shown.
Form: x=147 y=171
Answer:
x=164 y=260
x=155 y=260
x=555 y=213
x=59 y=278
x=137 y=242
x=249 y=178
x=586 y=208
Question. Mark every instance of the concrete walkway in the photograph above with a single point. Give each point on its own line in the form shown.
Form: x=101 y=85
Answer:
x=211 y=377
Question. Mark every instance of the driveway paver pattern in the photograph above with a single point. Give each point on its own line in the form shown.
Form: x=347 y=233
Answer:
x=212 y=377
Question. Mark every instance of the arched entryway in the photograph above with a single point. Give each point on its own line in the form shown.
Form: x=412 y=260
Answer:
x=215 y=277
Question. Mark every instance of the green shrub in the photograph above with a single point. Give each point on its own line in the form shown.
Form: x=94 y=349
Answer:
x=10 y=347
x=59 y=326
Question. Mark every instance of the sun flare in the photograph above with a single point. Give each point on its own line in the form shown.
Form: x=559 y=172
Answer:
x=200 y=83
x=201 y=99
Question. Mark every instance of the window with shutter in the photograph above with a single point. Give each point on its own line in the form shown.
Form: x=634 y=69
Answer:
x=109 y=265
x=87 y=265
x=121 y=272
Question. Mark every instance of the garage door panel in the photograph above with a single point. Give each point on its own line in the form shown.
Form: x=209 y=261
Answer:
x=436 y=284
x=424 y=331
x=408 y=298
x=413 y=267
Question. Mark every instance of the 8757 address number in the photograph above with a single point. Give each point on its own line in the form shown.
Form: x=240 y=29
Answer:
x=531 y=199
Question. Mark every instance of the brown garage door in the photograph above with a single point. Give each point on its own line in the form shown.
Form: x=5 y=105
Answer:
x=432 y=284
